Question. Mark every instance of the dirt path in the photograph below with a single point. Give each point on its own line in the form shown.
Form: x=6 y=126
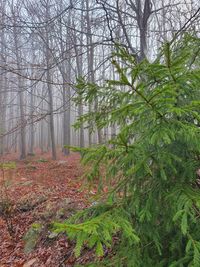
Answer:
x=40 y=190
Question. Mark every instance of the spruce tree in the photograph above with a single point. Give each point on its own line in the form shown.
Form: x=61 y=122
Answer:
x=153 y=204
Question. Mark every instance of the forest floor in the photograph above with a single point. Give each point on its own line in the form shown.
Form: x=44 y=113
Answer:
x=39 y=190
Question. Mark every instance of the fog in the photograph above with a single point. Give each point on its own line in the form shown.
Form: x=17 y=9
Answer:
x=47 y=44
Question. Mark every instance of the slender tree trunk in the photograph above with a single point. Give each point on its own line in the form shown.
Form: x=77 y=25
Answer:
x=51 y=119
x=20 y=92
x=49 y=88
x=79 y=64
x=21 y=109
x=66 y=90
x=32 y=136
x=66 y=115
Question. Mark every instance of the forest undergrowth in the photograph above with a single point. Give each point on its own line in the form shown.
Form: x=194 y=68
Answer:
x=35 y=192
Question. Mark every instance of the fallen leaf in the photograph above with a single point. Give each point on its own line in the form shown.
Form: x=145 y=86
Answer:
x=30 y=263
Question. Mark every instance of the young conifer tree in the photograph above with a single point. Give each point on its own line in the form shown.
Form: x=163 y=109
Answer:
x=153 y=204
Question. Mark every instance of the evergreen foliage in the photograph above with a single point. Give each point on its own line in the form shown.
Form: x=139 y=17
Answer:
x=153 y=205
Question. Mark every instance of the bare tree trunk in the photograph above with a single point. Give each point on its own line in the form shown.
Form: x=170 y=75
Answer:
x=42 y=137
x=3 y=93
x=90 y=55
x=142 y=17
x=65 y=70
x=32 y=136
x=51 y=117
x=89 y=62
x=66 y=114
x=49 y=87
x=80 y=74
x=20 y=96
x=79 y=64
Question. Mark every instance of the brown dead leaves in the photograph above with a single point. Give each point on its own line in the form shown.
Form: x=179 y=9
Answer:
x=41 y=190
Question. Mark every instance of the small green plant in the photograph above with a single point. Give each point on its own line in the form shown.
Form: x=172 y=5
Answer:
x=8 y=165
x=42 y=160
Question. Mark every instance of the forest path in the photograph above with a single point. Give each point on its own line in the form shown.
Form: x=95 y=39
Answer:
x=39 y=190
